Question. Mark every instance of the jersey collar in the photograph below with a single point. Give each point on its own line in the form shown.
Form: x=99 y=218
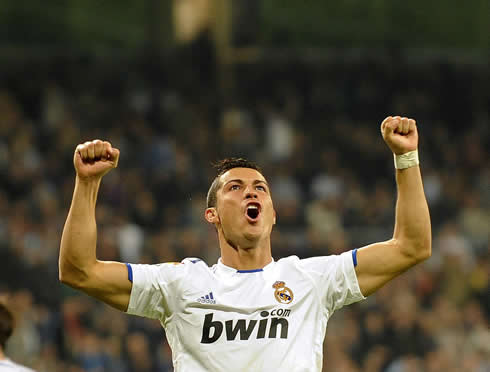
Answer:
x=230 y=270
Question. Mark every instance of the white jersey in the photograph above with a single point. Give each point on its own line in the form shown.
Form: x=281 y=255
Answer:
x=6 y=365
x=220 y=319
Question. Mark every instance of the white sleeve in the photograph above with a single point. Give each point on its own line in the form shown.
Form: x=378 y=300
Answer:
x=155 y=290
x=9 y=365
x=336 y=279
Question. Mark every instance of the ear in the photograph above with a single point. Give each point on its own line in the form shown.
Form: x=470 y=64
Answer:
x=274 y=217
x=211 y=215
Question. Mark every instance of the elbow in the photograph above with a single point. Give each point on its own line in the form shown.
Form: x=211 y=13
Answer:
x=69 y=280
x=74 y=278
x=425 y=252
x=421 y=251
x=66 y=279
x=416 y=251
x=425 y=247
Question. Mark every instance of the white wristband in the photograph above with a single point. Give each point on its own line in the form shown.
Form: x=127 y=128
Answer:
x=407 y=160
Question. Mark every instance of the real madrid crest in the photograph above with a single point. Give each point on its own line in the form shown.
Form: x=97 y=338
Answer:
x=283 y=294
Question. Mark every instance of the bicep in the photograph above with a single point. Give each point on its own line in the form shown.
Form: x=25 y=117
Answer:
x=109 y=282
x=378 y=263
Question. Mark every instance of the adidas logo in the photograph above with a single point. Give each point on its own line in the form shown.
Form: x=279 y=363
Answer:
x=207 y=299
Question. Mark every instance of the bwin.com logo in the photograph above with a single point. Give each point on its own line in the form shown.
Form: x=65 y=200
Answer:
x=272 y=324
x=207 y=299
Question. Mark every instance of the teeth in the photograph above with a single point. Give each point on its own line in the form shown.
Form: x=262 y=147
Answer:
x=253 y=207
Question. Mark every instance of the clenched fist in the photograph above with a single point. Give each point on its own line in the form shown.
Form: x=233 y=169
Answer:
x=94 y=159
x=400 y=134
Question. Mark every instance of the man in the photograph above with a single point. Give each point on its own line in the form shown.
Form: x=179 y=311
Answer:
x=247 y=312
x=6 y=329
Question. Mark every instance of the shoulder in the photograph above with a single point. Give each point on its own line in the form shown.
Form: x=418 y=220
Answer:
x=189 y=263
x=300 y=262
x=194 y=261
x=167 y=271
x=296 y=264
x=320 y=264
x=288 y=261
x=192 y=264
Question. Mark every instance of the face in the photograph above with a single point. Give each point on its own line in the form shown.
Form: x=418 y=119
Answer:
x=244 y=210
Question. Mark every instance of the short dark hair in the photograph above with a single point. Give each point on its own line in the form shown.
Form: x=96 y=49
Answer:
x=222 y=167
x=6 y=325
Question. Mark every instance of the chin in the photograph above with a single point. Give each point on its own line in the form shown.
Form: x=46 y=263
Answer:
x=253 y=234
x=252 y=237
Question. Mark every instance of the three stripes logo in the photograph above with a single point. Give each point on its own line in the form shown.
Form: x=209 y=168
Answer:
x=207 y=299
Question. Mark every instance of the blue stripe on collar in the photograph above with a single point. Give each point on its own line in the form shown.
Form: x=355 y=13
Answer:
x=249 y=271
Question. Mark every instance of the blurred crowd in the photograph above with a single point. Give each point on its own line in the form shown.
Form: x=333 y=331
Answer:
x=314 y=128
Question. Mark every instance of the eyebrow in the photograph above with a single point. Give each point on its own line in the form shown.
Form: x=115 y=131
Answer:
x=255 y=182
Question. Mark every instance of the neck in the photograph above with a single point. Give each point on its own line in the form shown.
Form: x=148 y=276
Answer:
x=249 y=258
x=2 y=355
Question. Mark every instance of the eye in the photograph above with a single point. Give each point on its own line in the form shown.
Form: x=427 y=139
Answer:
x=235 y=187
x=261 y=188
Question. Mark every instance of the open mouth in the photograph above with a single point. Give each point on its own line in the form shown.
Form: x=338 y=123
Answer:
x=253 y=211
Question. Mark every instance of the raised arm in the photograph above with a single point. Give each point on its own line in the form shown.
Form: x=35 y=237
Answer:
x=78 y=264
x=378 y=263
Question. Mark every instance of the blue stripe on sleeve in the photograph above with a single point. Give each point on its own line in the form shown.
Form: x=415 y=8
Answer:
x=130 y=272
x=354 y=257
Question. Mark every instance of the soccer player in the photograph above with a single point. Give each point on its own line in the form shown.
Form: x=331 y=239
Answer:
x=247 y=312
x=6 y=329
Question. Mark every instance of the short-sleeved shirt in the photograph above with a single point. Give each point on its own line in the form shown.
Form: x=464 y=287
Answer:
x=6 y=365
x=220 y=319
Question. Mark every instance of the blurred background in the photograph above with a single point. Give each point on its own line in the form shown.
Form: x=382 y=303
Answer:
x=300 y=87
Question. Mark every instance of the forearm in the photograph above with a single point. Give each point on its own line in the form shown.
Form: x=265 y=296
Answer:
x=379 y=263
x=78 y=242
x=412 y=223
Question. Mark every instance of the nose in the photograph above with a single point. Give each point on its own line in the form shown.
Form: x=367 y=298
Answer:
x=250 y=193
